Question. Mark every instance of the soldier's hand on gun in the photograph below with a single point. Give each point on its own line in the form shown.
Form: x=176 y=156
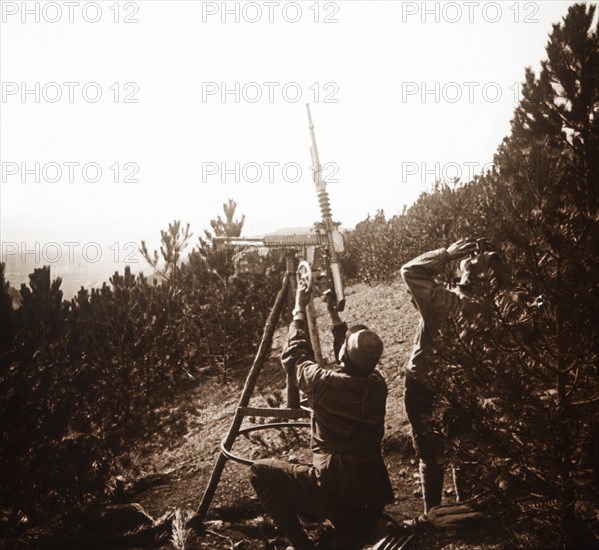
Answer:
x=302 y=295
x=304 y=285
x=331 y=301
x=462 y=248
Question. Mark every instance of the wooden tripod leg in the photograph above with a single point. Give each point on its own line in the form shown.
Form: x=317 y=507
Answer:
x=248 y=388
x=293 y=398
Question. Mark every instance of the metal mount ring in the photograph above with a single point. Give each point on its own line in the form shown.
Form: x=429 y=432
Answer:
x=228 y=454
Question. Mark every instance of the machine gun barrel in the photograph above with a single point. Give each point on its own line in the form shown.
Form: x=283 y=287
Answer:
x=275 y=240
x=334 y=238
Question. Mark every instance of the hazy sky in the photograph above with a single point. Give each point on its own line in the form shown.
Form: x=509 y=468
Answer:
x=401 y=93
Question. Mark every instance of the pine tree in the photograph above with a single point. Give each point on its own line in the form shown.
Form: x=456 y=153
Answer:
x=42 y=310
x=528 y=373
x=220 y=261
x=174 y=242
x=229 y=227
x=6 y=312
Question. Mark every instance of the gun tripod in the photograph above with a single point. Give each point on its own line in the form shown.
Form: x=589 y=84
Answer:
x=293 y=411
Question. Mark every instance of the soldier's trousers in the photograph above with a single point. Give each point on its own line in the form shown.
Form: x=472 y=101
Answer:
x=431 y=441
x=289 y=491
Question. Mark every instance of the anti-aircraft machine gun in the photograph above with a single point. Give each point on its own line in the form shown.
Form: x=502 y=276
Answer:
x=321 y=246
x=320 y=249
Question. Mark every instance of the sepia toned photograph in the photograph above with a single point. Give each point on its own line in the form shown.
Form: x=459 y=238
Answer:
x=305 y=274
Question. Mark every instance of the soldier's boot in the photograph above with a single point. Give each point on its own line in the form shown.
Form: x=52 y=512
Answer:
x=431 y=478
x=464 y=480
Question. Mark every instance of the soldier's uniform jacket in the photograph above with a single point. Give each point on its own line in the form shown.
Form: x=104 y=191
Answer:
x=436 y=304
x=347 y=425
